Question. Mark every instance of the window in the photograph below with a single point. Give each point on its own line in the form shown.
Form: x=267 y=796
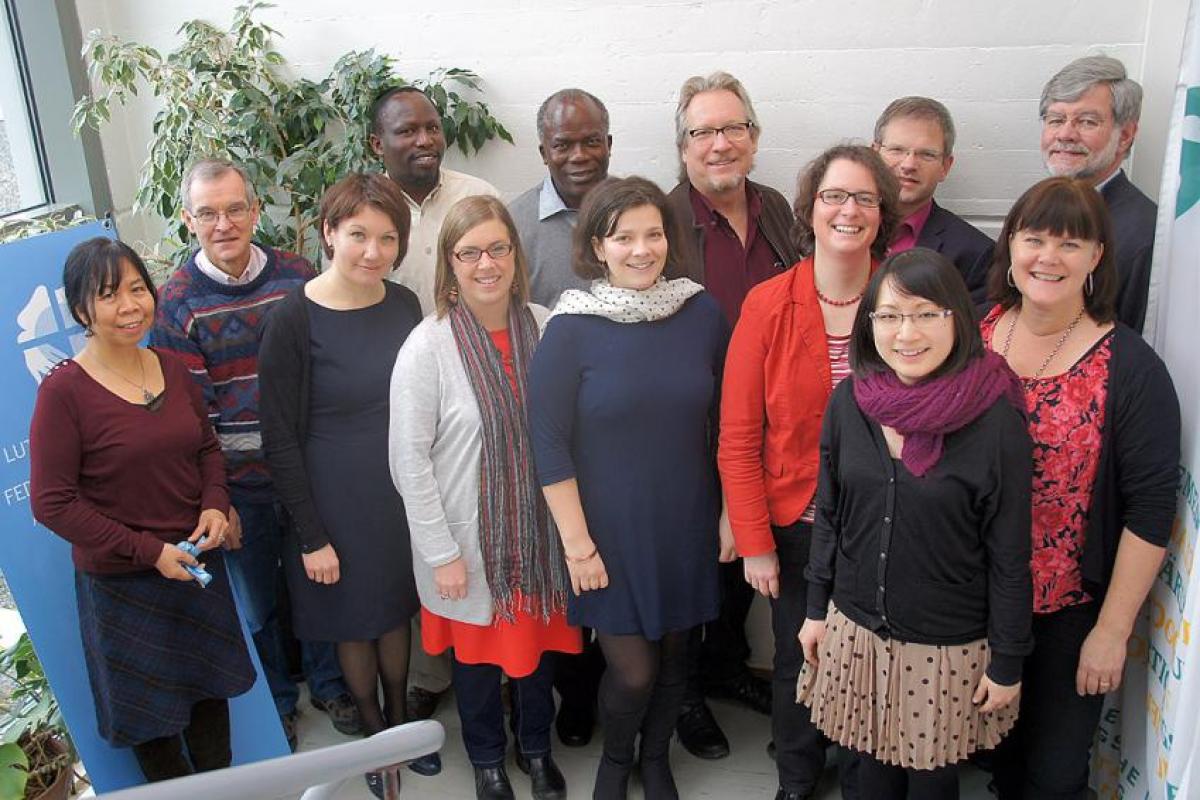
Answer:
x=22 y=166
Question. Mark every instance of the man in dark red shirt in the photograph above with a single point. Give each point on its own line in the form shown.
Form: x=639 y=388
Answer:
x=735 y=234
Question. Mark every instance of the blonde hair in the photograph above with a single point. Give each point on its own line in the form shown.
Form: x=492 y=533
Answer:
x=466 y=214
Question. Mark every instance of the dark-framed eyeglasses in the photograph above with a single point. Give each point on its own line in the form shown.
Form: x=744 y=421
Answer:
x=838 y=197
x=892 y=320
x=471 y=255
x=733 y=132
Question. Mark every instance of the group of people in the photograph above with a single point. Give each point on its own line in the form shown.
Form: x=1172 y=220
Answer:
x=563 y=443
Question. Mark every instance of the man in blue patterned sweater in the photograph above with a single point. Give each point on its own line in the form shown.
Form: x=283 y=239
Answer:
x=210 y=312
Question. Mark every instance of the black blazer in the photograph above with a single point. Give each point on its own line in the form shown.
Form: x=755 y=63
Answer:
x=958 y=240
x=1134 y=217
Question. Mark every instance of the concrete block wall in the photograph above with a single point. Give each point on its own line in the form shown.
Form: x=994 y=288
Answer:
x=819 y=73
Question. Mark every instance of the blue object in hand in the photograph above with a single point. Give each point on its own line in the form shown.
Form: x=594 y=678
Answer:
x=202 y=576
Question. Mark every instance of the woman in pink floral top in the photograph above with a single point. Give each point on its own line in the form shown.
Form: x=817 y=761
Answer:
x=1104 y=420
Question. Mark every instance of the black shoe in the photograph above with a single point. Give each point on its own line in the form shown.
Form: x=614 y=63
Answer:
x=376 y=782
x=699 y=733
x=491 y=783
x=342 y=713
x=749 y=690
x=548 y=781
x=783 y=794
x=575 y=724
x=422 y=703
x=657 y=781
x=288 y=721
x=427 y=765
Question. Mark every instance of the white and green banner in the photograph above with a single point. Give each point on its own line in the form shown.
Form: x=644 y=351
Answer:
x=1149 y=740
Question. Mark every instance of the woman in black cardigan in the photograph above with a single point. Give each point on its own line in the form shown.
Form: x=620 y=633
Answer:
x=1104 y=420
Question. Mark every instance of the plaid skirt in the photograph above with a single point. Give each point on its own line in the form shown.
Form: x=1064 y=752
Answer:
x=155 y=647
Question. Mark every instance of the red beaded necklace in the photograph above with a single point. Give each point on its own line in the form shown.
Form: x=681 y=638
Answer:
x=840 y=303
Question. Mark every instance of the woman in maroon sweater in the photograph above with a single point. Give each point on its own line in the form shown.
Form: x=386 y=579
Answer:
x=124 y=466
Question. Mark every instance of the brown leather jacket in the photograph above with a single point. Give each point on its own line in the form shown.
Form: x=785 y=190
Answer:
x=775 y=223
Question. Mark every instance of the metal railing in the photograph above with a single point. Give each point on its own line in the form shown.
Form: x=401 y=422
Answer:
x=313 y=775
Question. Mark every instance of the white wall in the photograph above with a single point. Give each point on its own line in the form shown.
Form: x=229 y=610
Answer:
x=819 y=72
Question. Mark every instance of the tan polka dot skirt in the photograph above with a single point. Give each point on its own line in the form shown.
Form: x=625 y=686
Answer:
x=906 y=704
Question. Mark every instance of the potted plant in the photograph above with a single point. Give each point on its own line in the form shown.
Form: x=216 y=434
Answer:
x=36 y=755
x=228 y=93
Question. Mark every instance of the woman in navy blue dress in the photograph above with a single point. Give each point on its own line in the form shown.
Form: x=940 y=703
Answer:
x=623 y=393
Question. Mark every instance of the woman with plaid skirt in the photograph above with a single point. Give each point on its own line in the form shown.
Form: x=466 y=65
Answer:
x=125 y=466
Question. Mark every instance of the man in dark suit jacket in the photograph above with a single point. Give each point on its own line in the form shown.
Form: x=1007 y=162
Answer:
x=915 y=137
x=1090 y=113
x=735 y=233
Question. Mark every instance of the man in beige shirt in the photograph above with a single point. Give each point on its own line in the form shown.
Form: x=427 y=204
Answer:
x=406 y=132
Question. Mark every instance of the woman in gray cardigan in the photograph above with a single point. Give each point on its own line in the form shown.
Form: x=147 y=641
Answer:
x=487 y=560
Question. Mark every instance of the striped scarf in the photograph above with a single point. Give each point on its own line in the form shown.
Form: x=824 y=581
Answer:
x=521 y=550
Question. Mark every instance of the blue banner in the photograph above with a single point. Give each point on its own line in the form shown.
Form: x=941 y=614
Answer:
x=36 y=332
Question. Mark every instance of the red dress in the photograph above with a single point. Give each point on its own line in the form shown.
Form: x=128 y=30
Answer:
x=1066 y=418
x=516 y=647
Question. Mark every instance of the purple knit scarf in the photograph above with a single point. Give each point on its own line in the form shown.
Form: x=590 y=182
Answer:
x=925 y=412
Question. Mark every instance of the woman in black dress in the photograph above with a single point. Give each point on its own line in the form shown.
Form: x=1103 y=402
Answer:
x=325 y=367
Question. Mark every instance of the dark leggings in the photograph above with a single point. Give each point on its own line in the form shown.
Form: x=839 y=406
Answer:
x=641 y=691
x=365 y=664
x=880 y=781
x=207 y=740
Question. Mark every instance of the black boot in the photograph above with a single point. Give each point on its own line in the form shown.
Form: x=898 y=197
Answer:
x=548 y=781
x=612 y=780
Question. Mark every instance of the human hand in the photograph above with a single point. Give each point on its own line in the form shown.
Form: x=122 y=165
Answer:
x=213 y=525
x=812 y=633
x=233 y=534
x=994 y=696
x=589 y=574
x=322 y=565
x=762 y=572
x=728 y=551
x=451 y=580
x=170 y=563
x=1101 y=661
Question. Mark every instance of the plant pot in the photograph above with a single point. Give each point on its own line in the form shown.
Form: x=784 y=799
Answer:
x=62 y=785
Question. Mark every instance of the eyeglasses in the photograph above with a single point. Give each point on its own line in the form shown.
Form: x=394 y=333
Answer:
x=1083 y=122
x=734 y=132
x=236 y=215
x=471 y=255
x=896 y=153
x=924 y=320
x=838 y=197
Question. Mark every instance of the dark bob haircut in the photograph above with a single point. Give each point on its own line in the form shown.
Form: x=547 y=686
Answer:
x=348 y=196
x=931 y=276
x=94 y=266
x=601 y=211
x=809 y=183
x=1060 y=207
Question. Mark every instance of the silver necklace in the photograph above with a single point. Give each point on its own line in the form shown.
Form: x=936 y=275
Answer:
x=1058 y=345
x=147 y=396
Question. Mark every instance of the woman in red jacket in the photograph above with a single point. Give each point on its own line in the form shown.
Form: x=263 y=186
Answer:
x=789 y=349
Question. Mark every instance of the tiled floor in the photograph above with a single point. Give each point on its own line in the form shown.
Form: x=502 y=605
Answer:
x=747 y=774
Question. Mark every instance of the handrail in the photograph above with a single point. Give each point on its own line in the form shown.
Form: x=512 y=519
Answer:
x=318 y=774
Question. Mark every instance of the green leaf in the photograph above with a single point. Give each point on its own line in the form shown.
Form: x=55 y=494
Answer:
x=13 y=771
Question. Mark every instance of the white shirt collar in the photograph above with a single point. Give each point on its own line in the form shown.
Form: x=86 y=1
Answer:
x=258 y=261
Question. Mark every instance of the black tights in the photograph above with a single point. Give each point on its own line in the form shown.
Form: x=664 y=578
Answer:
x=207 y=739
x=367 y=663
x=641 y=691
x=880 y=781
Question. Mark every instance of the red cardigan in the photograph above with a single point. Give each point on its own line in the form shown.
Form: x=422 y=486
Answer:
x=776 y=386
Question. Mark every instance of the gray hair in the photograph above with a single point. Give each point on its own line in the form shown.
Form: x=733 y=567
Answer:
x=717 y=81
x=914 y=107
x=208 y=169
x=567 y=96
x=1082 y=74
